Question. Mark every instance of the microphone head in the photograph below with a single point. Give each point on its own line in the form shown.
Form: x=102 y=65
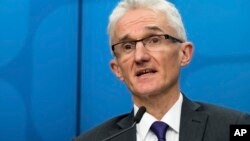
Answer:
x=139 y=114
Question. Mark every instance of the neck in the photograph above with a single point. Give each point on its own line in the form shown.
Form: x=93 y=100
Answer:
x=158 y=104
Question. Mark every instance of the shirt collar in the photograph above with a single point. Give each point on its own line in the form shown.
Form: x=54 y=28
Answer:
x=172 y=118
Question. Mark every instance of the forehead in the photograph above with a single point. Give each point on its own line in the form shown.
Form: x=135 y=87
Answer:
x=137 y=22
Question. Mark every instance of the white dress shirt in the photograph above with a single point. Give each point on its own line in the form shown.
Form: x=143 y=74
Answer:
x=172 y=118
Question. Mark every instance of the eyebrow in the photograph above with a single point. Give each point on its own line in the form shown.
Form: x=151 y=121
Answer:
x=149 y=30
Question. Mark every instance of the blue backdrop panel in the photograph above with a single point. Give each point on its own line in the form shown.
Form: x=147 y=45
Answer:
x=219 y=72
x=100 y=89
x=38 y=48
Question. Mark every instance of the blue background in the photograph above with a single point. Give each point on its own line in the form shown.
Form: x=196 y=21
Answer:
x=38 y=69
x=55 y=80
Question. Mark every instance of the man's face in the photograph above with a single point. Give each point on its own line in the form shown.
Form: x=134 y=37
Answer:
x=145 y=72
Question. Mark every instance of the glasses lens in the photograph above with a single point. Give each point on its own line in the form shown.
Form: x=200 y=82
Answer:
x=124 y=48
x=154 y=43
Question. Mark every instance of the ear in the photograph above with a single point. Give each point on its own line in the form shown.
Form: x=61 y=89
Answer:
x=116 y=69
x=187 y=53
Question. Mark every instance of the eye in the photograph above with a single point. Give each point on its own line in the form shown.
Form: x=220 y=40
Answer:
x=154 y=40
x=127 y=47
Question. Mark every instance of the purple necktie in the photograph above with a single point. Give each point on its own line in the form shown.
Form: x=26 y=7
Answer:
x=160 y=129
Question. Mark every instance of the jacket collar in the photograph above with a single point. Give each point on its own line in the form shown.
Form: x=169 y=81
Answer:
x=193 y=121
x=123 y=124
x=126 y=121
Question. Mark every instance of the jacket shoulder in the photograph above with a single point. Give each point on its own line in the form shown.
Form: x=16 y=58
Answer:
x=102 y=131
x=223 y=114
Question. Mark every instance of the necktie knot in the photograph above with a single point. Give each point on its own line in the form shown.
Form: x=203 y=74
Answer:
x=160 y=129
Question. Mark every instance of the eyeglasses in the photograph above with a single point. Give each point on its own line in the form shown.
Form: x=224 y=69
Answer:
x=152 y=43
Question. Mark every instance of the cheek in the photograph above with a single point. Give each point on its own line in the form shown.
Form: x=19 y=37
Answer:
x=126 y=69
x=170 y=62
x=171 y=53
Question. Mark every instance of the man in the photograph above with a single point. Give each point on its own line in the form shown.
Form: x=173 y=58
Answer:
x=149 y=45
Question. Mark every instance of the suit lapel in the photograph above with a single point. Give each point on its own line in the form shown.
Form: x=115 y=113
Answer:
x=124 y=123
x=193 y=122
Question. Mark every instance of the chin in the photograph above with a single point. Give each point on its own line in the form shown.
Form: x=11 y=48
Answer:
x=150 y=89
x=146 y=92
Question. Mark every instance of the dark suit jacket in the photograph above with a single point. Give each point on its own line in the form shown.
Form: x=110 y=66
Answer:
x=199 y=122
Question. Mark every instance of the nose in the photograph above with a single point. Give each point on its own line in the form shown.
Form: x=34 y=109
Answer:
x=141 y=54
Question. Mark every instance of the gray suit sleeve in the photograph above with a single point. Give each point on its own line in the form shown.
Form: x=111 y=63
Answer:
x=244 y=118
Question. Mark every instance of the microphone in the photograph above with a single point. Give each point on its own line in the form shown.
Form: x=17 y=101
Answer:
x=137 y=119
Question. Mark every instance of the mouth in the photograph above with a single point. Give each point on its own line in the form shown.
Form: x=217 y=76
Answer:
x=144 y=72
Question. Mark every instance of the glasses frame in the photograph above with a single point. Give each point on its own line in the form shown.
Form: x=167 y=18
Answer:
x=166 y=36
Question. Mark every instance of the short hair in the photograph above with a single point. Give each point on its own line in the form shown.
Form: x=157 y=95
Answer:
x=168 y=8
